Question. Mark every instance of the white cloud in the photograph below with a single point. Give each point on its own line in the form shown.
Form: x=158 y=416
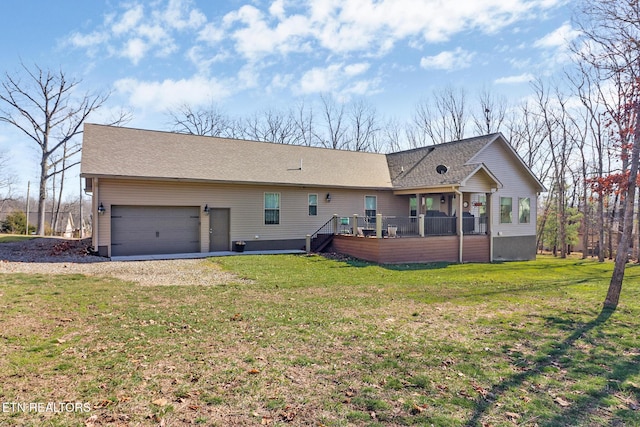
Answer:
x=339 y=79
x=255 y=38
x=135 y=50
x=559 y=38
x=139 y=30
x=180 y=16
x=320 y=80
x=521 y=78
x=88 y=41
x=355 y=69
x=129 y=21
x=448 y=60
x=160 y=95
x=369 y=26
x=211 y=34
x=277 y=9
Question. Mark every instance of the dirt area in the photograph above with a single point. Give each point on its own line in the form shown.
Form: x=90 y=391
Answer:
x=46 y=255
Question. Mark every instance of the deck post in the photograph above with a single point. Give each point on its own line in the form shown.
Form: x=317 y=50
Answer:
x=379 y=226
x=355 y=224
x=335 y=224
x=308 y=243
x=421 y=225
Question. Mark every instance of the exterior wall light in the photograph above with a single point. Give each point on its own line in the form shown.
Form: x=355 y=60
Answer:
x=328 y=198
x=101 y=209
x=206 y=209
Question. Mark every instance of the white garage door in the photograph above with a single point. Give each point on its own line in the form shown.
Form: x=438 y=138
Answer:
x=146 y=230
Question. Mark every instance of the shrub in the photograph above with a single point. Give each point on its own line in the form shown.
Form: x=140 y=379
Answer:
x=15 y=223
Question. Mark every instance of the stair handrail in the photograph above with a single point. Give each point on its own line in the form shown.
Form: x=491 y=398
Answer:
x=331 y=225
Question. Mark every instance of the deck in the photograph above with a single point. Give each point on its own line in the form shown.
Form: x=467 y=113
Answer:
x=476 y=248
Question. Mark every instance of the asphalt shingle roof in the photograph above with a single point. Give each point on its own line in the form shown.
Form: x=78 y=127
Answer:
x=110 y=151
x=418 y=168
x=134 y=153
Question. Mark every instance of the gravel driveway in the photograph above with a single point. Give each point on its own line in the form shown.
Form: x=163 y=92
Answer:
x=66 y=256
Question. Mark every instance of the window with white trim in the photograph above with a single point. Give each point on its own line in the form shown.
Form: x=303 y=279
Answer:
x=370 y=206
x=506 y=210
x=524 y=210
x=313 y=204
x=272 y=208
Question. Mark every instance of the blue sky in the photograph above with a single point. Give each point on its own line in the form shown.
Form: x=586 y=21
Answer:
x=246 y=56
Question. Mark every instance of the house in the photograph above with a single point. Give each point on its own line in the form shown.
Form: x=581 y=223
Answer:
x=160 y=192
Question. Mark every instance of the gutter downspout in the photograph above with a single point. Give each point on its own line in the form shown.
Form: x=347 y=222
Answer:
x=460 y=232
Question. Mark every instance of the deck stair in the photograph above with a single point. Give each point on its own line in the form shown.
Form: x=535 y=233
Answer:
x=324 y=236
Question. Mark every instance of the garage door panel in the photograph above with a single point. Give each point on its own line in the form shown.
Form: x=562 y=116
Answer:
x=145 y=230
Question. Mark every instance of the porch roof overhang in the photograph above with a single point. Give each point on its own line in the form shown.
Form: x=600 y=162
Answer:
x=487 y=182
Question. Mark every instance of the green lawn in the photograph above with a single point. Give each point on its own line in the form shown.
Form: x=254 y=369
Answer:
x=7 y=238
x=322 y=342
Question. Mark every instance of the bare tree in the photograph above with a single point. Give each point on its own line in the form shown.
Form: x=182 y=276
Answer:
x=612 y=45
x=304 y=125
x=7 y=180
x=444 y=117
x=560 y=137
x=492 y=113
x=589 y=90
x=211 y=121
x=335 y=124
x=392 y=132
x=43 y=107
x=525 y=129
x=271 y=126
x=364 y=127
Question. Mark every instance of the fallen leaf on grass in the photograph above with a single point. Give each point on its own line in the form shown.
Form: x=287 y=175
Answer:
x=161 y=402
x=512 y=416
x=253 y=372
x=560 y=401
x=481 y=390
x=288 y=415
x=418 y=409
x=266 y=420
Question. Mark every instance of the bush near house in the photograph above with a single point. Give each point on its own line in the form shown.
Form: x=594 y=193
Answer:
x=16 y=223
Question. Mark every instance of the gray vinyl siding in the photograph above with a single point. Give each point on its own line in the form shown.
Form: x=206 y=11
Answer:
x=478 y=183
x=516 y=183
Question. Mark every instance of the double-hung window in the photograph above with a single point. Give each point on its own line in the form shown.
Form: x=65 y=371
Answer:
x=313 y=204
x=524 y=210
x=272 y=208
x=506 y=210
x=370 y=205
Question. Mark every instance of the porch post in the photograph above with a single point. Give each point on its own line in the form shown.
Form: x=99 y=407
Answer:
x=489 y=213
x=335 y=224
x=421 y=225
x=379 y=226
x=460 y=230
x=355 y=224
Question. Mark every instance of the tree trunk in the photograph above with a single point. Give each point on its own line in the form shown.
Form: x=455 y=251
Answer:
x=601 y=226
x=622 y=255
x=42 y=197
